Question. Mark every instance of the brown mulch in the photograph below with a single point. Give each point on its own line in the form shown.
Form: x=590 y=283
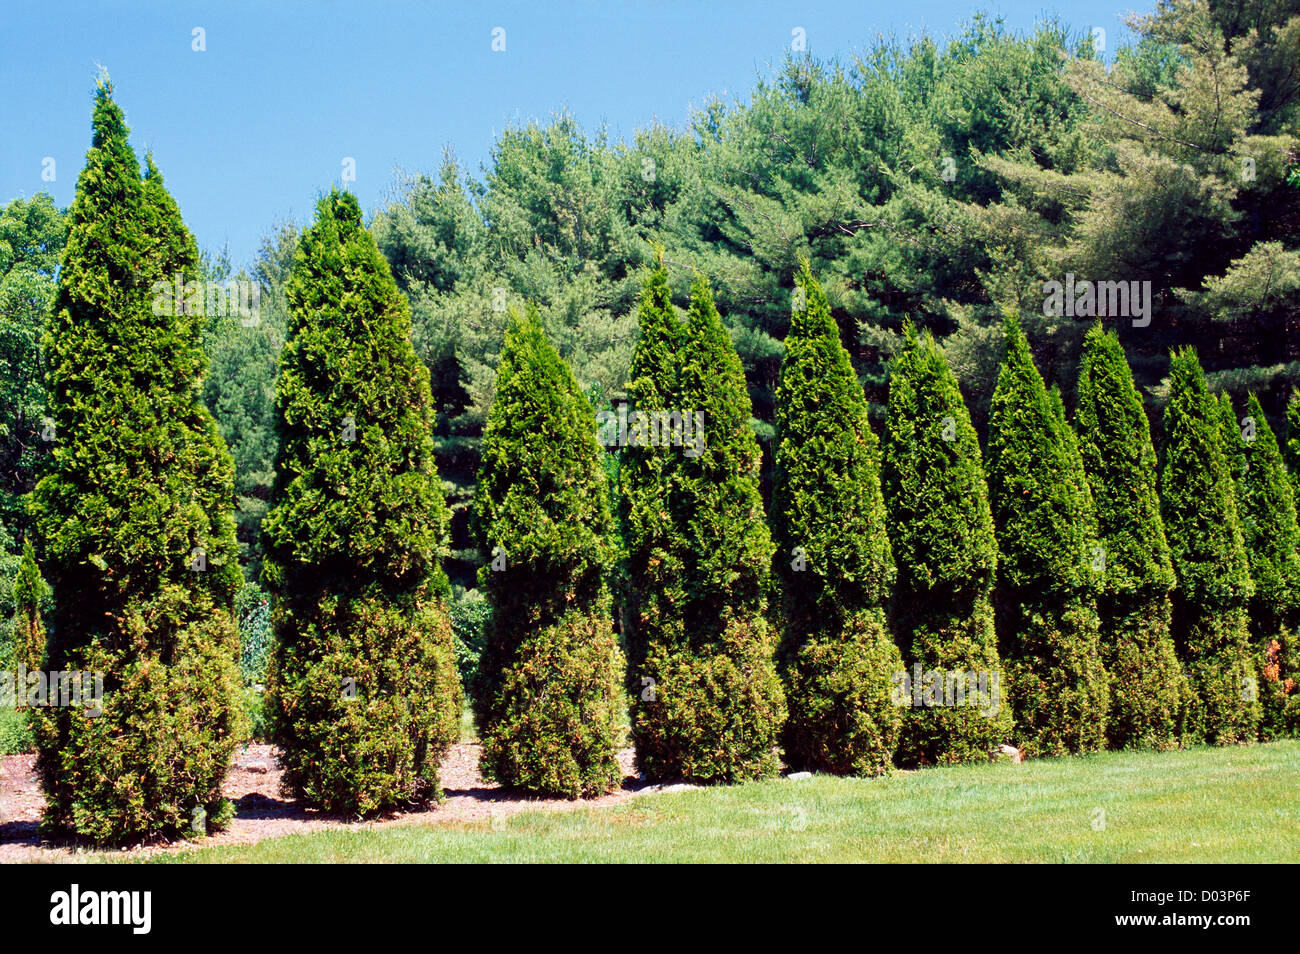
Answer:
x=261 y=811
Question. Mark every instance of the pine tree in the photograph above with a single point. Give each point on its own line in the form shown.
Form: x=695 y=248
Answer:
x=653 y=541
x=135 y=520
x=1149 y=690
x=941 y=530
x=718 y=706
x=1046 y=534
x=363 y=695
x=833 y=558
x=29 y=592
x=1199 y=507
x=1272 y=539
x=548 y=692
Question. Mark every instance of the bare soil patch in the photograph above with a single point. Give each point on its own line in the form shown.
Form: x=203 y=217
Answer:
x=261 y=811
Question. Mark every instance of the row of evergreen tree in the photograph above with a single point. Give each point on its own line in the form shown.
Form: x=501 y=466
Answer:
x=1117 y=602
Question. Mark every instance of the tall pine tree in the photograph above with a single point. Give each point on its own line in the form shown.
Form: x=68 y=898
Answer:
x=1199 y=507
x=717 y=704
x=135 y=516
x=1046 y=534
x=549 y=685
x=364 y=697
x=941 y=531
x=833 y=558
x=1149 y=691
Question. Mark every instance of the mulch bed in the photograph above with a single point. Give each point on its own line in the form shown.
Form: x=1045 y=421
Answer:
x=263 y=812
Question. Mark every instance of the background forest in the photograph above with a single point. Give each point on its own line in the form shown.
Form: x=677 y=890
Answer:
x=937 y=183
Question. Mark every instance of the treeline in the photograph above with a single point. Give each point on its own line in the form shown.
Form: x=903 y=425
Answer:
x=418 y=496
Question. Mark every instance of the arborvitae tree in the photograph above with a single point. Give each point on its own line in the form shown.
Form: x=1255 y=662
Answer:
x=653 y=541
x=1293 y=441
x=1199 y=508
x=941 y=531
x=29 y=630
x=1272 y=538
x=549 y=686
x=135 y=519
x=364 y=699
x=1148 y=689
x=833 y=560
x=718 y=706
x=1046 y=532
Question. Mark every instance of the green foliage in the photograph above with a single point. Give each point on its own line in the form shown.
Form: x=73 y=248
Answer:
x=653 y=540
x=1148 y=689
x=548 y=694
x=1199 y=507
x=470 y=613
x=32 y=235
x=1272 y=539
x=363 y=695
x=239 y=389
x=30 y=592
x=1046 y=534
x=834 y=563
x=941 y=530
x=1292 y=449
x=716 y=705
x=134 y=517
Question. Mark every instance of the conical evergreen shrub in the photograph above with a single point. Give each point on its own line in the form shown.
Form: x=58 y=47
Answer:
x=941 y=531
x=1046 y=534
x=1272 y=538
x=653 y=541
x=364 y=699
x=718 y=705
x=833 y=559
x=1148 y=689
x=135 y=520
x=1292 y=449
x=549 y=690
x=1199 y=507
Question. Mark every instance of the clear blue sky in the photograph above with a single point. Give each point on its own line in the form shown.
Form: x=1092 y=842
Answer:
x=254 y=127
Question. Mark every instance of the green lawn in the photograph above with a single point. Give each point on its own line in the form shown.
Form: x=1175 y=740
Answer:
x=1201 y=805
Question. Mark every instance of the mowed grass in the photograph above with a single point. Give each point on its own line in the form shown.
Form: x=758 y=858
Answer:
x=1238 y=804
